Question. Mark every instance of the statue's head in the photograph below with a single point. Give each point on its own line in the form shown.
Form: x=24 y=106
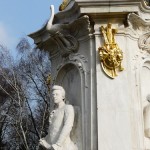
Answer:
x=58 y=93
x=148 y=98
x=109 y=25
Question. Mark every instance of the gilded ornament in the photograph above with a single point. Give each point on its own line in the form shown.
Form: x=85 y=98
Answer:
x=111 y=55
x=64 y=5
x=147 y=2
x=48 y=81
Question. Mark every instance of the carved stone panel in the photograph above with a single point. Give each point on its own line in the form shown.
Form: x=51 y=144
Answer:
x=145 y=91
x=141 y=29
x=145 y=85
x=144 y=42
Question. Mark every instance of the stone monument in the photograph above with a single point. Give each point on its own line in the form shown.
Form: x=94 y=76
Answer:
x=100 y=54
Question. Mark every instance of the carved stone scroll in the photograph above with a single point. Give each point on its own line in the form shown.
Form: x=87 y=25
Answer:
x=144 y=42
x=142 y=28
x=138 y=24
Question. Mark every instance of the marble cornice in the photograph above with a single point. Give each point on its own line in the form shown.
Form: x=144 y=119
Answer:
x=111 y=5
x=107 y=2
x=144 y=7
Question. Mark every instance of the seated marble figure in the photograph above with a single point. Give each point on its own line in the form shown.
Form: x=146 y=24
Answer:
x=61 y=121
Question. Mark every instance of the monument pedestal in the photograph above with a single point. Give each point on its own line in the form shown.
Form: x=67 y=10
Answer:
x=110 y=110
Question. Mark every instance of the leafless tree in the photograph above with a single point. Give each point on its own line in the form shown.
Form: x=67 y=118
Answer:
x=24 y=96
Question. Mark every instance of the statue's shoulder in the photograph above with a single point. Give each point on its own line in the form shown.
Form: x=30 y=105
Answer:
x=68 y=107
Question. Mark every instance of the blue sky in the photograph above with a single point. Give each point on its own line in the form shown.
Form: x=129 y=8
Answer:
x=19 y=18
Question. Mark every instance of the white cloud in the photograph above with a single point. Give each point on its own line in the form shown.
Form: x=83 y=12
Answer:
x=6 y=38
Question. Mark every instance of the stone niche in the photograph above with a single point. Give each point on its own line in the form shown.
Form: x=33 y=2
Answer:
x=69 y=77
x=109 y=112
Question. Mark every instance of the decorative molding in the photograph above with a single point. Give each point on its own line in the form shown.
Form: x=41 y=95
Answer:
x=144 y=7
x=79 y=60
x=144 y=42
x=63 y=38
x=78 y=57
x=138 y=24
x=108 y=2
x=124 y=6
x=67 y=43
x=141 y=28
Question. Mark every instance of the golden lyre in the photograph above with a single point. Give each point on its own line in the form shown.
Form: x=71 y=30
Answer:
x=111 y=55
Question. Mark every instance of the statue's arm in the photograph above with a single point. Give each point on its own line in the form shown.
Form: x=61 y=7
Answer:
x=43 y=143
x=68 y=124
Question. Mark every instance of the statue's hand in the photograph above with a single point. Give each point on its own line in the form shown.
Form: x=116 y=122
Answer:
x=55 y=147
x=43 y=143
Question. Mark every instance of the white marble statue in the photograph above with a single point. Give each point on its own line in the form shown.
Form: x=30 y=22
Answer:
x=147 y=118
x=60 y=123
